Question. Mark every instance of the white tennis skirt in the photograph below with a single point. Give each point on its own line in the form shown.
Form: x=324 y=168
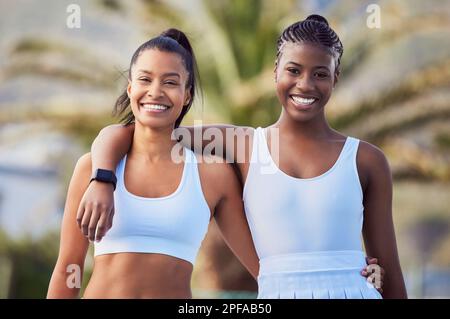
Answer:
x=316 y=275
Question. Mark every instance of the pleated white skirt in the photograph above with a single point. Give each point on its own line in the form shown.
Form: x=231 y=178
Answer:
x=317 y=275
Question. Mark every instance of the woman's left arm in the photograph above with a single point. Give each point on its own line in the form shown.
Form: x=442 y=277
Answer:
x=378 y=227
x=231 y=220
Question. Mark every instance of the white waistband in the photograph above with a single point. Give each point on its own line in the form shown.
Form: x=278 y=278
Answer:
x=313 y=261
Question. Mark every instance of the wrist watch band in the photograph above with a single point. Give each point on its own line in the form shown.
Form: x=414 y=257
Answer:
x=104 y=176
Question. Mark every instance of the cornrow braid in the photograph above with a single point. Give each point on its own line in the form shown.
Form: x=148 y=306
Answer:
x=313 y=29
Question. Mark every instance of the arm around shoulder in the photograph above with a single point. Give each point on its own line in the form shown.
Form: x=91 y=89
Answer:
x=111 y=144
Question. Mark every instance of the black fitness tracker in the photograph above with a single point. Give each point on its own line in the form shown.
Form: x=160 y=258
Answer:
x=104 y=176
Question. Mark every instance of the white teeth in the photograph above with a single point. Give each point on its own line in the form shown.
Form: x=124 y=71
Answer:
x=301 y=100
x=154 y=107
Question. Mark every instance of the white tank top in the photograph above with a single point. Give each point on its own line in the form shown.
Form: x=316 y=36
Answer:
x=174 y=225
x=290 y=215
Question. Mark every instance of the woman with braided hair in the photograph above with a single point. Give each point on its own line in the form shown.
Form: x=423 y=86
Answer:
x=309 y=193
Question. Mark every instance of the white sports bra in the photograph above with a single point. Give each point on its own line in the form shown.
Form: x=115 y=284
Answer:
x=174 y=225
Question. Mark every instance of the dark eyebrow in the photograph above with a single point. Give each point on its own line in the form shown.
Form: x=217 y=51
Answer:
x=322 y=67
x=144 y=71
x=165 y=74
x=291 y=62
x=316 y=67
x=171 y=74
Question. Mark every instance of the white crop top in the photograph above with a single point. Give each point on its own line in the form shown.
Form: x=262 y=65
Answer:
x=174 y=225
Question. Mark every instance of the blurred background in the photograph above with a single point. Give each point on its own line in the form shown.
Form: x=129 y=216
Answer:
x=58 y=86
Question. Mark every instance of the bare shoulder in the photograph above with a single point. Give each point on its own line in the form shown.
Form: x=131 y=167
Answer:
x=214 y=168
x=371 y=161
x=218 y=175
x=371 y=154
x=218 y=179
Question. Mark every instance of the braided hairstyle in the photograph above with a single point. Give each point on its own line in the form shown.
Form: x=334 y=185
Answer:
x=314 y=29
x=171 y=40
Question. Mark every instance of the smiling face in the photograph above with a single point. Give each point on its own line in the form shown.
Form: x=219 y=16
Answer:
x=157 y=88
x=305 y=77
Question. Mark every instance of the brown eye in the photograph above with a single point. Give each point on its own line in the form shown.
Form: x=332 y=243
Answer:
x=322 y=75
x=293 y=70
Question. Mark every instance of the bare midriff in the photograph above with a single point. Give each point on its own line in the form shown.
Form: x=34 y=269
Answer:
x=139 y=275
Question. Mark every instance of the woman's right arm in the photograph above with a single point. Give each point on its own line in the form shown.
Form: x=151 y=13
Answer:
x=111 y=145
x=68 y=273
x=114 y=141
x=228 y=141
x=97 y=204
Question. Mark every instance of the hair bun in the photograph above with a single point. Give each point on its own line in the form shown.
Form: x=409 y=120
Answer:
x=178 y=36
x=318 y=18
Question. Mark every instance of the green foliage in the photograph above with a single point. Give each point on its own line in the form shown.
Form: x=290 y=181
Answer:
x=32 y=264
x=443 y=141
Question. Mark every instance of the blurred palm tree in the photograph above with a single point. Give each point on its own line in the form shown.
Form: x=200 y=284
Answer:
x=393 y=90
